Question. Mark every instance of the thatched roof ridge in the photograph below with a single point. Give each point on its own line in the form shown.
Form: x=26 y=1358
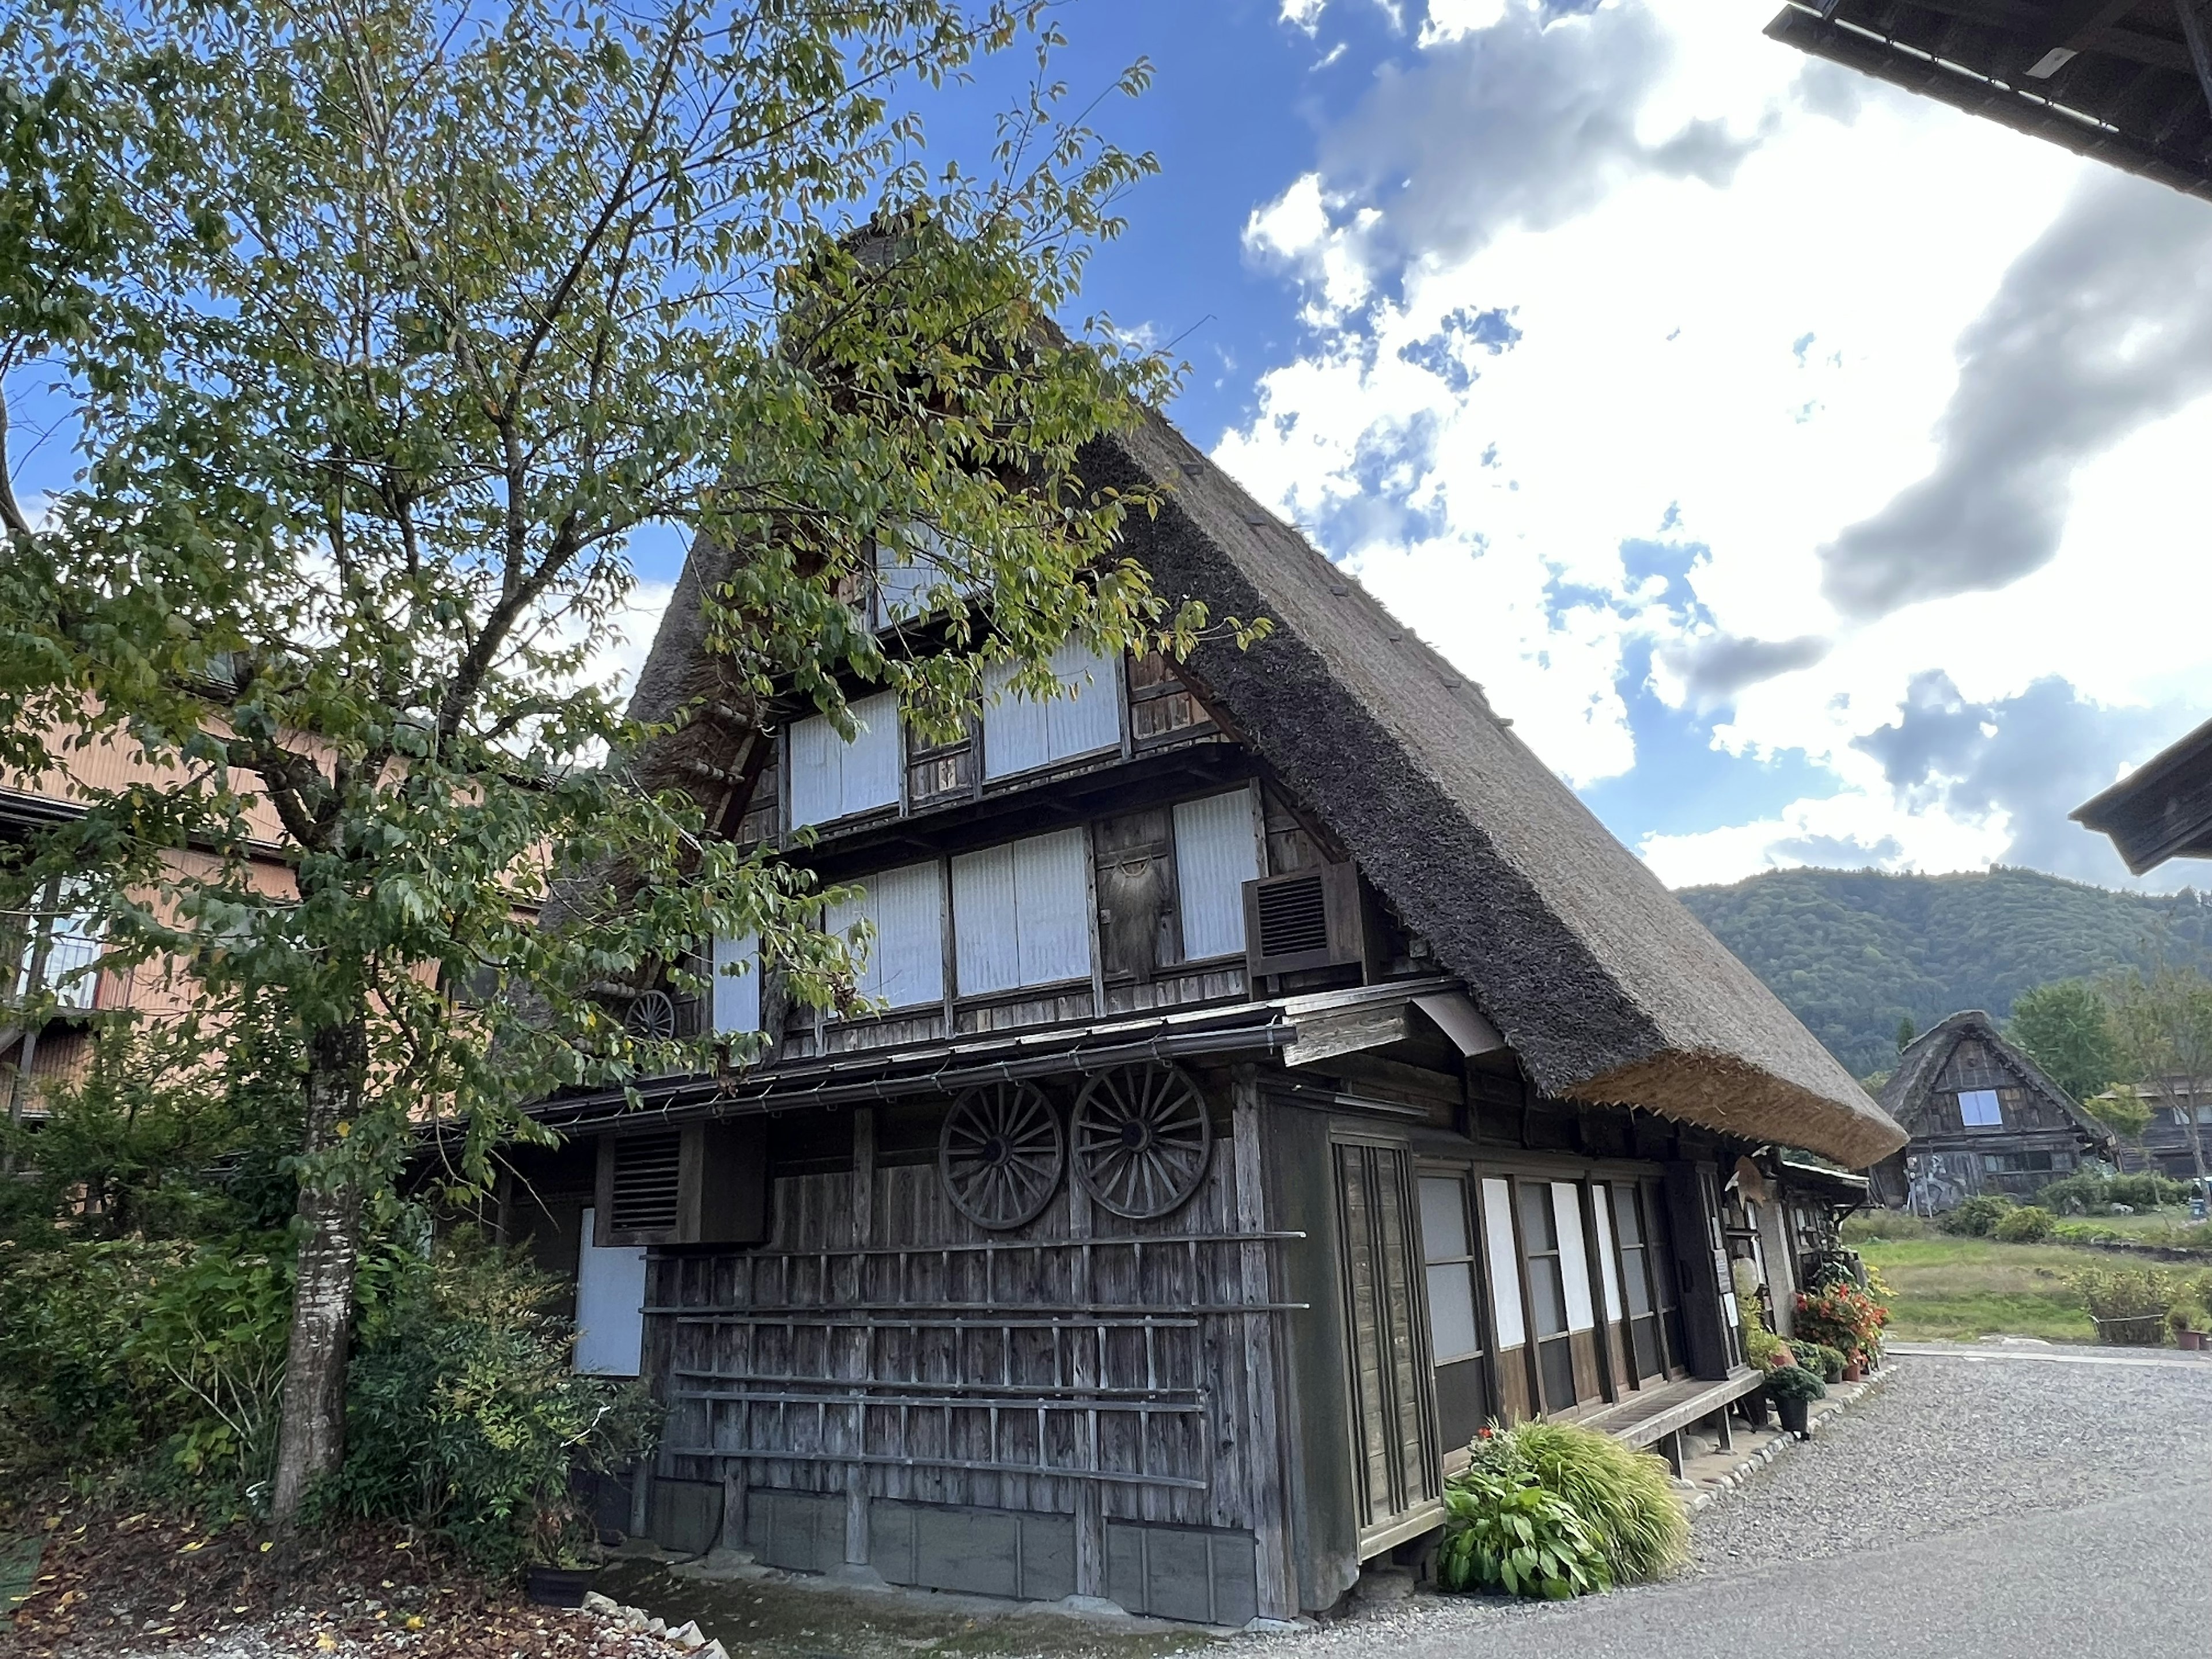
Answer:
x=1925 y=1056
x=1608 y=989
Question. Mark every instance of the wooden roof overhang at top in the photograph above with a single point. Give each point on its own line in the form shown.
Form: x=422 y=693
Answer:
x=2160 y=810
x=2128 y=82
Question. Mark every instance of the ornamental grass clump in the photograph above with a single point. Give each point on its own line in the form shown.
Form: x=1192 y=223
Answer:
x=1595 y=1513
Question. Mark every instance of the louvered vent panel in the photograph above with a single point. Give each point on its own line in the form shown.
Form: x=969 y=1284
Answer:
x=646 y=1171
x=1293 y=917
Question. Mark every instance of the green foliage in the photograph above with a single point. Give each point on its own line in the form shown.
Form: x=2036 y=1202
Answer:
x=1762 y=1348
x=2091 y=1193
x=1823 y=1361
x=1797 y=1382
x=2029 y=1225
x=113 y=1352
x=2122 y=1110
x=1977 y=1218
x=1843 y=1316
x=1504 y=1531
x=1624 y=1496
x=158 y=1138
x=1855 y=952
x=2126 y=1292
x=2066 y=1028
x=384 y=332
x=466 y=1416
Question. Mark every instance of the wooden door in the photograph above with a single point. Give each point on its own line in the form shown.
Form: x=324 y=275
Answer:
x=1397 y=1464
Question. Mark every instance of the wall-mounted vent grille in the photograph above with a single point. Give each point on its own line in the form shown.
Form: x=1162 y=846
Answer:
x=1307 y=919
x=1293 y=916
x=647 y=1170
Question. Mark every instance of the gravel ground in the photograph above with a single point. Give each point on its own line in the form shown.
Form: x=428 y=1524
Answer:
x=1964 y=1445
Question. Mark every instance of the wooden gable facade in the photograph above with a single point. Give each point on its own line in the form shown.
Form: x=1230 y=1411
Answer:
x=1983 y=1118
x=1190 y=1193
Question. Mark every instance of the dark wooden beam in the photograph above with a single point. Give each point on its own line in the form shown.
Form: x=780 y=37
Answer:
x=2196 y=18
x=2064 y=33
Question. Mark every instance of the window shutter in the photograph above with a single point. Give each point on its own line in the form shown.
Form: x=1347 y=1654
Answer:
x=831 y=779
x=1020 y=734
x=736 y=998
x=610 y=1306
x=1216 y=853
x=1601 y=1207
x=1574 y=1257
x=1051 y=908
x=1089 y=719
x=1505 y=1262
x=985 y=955
x=1021 y=915
x=905 y=964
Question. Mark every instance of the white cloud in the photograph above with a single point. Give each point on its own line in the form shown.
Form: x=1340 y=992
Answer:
x=1739 y=294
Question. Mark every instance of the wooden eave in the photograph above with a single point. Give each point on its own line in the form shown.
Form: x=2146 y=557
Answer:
x=2160 y=810
x=2120 y=82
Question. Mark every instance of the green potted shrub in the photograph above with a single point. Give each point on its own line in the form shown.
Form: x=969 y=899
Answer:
x=2187 y=1320
x=2128 y=1305
x=1793 y=1389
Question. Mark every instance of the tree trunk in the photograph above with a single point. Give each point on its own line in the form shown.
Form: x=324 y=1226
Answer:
x=2196 y=1128
x=311 y=1436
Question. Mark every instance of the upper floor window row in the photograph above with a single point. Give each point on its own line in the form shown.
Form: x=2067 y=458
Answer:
x=833 y=779
x=1018 y=915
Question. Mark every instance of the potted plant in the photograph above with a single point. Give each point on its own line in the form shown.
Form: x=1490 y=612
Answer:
x=566 y=1557
x=1794 y=1388
x=2184 y=1318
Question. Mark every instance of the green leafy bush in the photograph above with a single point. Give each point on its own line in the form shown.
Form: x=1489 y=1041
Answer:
x=464 y=1414
x=113 y=1350
x=2126 y=1292
x=1978 y=1217
x=1825 y=1362
x=1504 y=1531
x=2091 y=1194
x=1796 y=1383
x=1762 y=1348
x=1625 y=1495
x=2029 y=1225
x=2085 y=1232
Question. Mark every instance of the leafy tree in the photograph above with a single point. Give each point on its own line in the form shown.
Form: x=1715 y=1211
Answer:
x=152 y=1140
x=395 y=323
x=2122 y=1110
x=2162 y=1019
x=2066 y=1028
x=1906 y=1034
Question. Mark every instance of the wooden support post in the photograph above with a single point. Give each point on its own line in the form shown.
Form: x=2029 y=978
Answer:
x=1670 y=1447
x=1090 y=1510
x=640 y=1497
x=864 y=1231
x=1264 y=1450
x=1724 y=1430
x=735 y=1480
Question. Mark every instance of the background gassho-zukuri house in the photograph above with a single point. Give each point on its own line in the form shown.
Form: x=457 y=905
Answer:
x=1280 y=1074
x=1983 y=1118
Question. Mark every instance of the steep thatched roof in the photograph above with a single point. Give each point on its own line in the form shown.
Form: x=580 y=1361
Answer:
x=1923 y=1061
x=1608 y=990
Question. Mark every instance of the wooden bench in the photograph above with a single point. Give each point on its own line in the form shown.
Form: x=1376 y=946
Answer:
x=1656 y=1417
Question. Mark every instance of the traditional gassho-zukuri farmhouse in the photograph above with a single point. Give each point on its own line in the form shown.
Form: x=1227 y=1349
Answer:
x=1983 y=1118
x=1282 y=1073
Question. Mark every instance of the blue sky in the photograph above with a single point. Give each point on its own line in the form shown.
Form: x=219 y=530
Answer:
x=1812 y=472
x=1792 y=458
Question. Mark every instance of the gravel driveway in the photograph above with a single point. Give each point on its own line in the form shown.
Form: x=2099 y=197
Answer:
x=2029 y=1501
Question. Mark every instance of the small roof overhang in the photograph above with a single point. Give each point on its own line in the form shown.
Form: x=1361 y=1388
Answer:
x=2128 y=82
x=2160 y=810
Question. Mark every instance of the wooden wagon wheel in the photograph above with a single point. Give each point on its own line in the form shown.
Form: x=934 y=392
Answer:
x=651 y=1018
x=1000 y=1154
x=1142 y=1139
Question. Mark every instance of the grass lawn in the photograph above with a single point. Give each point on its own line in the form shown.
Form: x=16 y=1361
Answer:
x=1957 y=1289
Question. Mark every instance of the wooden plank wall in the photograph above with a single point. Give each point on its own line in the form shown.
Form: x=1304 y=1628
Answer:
x=882 y=1342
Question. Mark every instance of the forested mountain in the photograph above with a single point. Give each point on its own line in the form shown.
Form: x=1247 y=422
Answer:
x=1854 y=952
